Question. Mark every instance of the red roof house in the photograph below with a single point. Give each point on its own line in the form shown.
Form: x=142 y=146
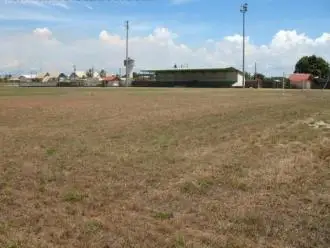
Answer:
x=110 y=78
x=110 y=81
x=301 y=80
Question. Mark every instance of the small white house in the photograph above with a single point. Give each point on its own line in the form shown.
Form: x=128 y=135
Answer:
x=27 y=77
x=301 y=80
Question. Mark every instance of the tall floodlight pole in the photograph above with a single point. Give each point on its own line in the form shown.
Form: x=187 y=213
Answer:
x=127 y=27
x=243 y=10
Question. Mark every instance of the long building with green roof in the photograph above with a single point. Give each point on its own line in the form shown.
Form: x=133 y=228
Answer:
x=200 y=77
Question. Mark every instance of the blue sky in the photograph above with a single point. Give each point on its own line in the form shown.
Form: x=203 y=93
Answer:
x=89 y=32
x=193 y=20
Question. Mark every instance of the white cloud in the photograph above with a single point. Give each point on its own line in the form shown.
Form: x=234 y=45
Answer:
x=26 y=2
x=20 y=14
x=236 y=38
x=178 y=2
x=40 y=3
x=160 y=49
x=89 y=7
x=11 y=63
x=43 y=33
x=287 y=39
x=60 y=4
x=111 y=39
x=324 y=38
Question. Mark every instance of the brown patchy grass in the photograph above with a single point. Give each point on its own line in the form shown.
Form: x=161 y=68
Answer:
x=164 y=168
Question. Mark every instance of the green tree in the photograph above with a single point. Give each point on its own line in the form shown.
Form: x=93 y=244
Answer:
x=259 y=76
x=7 y=77
x=89 y=73
x=248 y=76
x=314 y=65
x=135 y=75
x=103 y=73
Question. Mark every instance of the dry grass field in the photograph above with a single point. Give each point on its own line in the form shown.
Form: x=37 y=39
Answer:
x=112 y=168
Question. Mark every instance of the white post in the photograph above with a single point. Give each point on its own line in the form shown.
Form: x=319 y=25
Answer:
x=303 y=86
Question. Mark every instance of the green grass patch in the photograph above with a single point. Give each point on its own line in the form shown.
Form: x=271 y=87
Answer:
x=50 y=151
x=180 y=241
x=92 y=226
x=14 y=244
x=163 y=215
x=73 y=196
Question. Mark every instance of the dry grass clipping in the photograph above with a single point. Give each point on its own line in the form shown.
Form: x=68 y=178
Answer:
x=164 y=168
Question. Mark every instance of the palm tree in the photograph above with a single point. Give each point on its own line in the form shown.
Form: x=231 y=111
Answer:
x=89 y=73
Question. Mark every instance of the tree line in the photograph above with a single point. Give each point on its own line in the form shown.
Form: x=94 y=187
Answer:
x=317 y=66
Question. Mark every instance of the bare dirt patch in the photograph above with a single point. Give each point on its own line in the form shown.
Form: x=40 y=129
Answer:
x=164 y=168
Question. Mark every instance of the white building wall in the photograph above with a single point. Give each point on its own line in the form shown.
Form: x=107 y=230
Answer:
x=130 y=67
x=239 y=80
x=302 y=84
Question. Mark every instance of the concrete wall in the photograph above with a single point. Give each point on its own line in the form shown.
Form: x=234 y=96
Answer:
x=301 y=84
x=207 y=76
x=240 y=79
x=38 y=84
x=91 y=82
x=9 y=84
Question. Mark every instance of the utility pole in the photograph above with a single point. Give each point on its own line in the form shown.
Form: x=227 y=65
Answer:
x=127 y=27
x=74 y=72
x=243 y=11
x=283 y=83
